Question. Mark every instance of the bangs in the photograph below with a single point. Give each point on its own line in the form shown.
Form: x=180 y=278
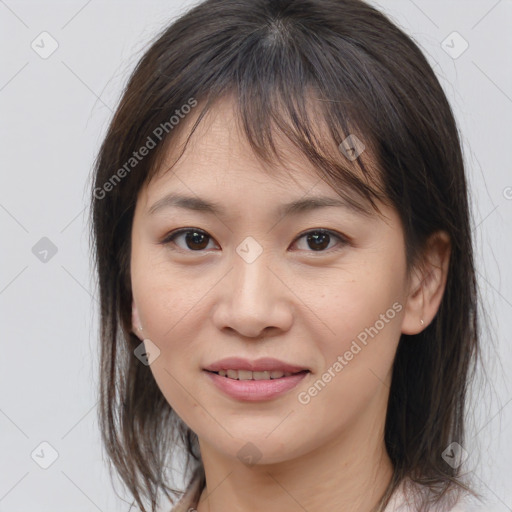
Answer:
x=277 y=95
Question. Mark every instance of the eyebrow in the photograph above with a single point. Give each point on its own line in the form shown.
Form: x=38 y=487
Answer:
x=173 y=200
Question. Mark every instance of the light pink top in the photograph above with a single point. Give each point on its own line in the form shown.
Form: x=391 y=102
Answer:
x=398 y=502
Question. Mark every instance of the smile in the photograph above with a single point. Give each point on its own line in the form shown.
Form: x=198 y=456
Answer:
x=248 y=375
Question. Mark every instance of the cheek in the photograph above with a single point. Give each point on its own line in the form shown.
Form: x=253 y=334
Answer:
x=358 y=357
x=168 y=309
x=172 y=310
x=164 y=298
x=362 y=316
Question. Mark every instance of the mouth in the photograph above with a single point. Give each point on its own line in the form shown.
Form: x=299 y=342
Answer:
x=249 y=375
x=254 y=380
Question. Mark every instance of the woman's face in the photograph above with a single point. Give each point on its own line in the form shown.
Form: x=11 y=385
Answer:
x=320 y=288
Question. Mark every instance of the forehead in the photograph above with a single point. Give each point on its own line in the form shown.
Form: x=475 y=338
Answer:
x=218 y=152
x=219 y=147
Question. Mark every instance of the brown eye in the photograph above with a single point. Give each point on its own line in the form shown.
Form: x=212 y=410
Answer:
x=196 y=240
x=319 y=240
x=190 y=239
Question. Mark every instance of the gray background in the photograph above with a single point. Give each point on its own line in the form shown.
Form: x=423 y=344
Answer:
x=55 y=111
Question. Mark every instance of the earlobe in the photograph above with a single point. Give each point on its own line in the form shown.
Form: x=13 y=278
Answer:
x=428 y=284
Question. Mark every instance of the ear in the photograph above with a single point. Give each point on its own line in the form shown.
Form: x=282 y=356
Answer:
x=136 y=325
x=427 y=284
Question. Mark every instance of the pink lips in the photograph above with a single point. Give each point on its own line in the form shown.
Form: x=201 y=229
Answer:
x=255 y=390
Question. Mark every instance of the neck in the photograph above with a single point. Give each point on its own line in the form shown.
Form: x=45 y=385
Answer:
x=347 y=473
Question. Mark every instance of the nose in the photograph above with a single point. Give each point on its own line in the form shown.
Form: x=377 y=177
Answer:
x=254 y=301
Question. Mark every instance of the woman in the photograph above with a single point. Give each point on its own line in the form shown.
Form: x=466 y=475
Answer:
x=285 y=266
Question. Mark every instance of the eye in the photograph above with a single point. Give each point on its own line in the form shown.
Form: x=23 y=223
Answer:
x=197 y=240
x=320 y=239
x=192 y=239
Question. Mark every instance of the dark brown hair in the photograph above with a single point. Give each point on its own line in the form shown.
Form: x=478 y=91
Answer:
x=285 y=64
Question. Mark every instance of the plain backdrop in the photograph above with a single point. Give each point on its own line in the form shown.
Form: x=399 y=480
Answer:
x=54 y=112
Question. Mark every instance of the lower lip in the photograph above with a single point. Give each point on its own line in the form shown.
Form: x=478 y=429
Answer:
x=255 y=390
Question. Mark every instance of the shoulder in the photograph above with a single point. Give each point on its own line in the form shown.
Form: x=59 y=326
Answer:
x=469 y=503
x=403 y=500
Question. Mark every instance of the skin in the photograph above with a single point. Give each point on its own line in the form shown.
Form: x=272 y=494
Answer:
x=293 y=303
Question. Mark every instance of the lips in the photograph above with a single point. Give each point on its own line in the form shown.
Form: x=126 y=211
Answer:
x=238 y=364
x=258 y=380
x=254 y=390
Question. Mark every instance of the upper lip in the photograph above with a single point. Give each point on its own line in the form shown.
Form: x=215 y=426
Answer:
x=258 y=365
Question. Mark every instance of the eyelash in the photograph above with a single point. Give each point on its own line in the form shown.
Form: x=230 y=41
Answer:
x=170 y=238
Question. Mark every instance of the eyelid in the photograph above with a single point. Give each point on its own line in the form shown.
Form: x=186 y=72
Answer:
x=337 y=234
